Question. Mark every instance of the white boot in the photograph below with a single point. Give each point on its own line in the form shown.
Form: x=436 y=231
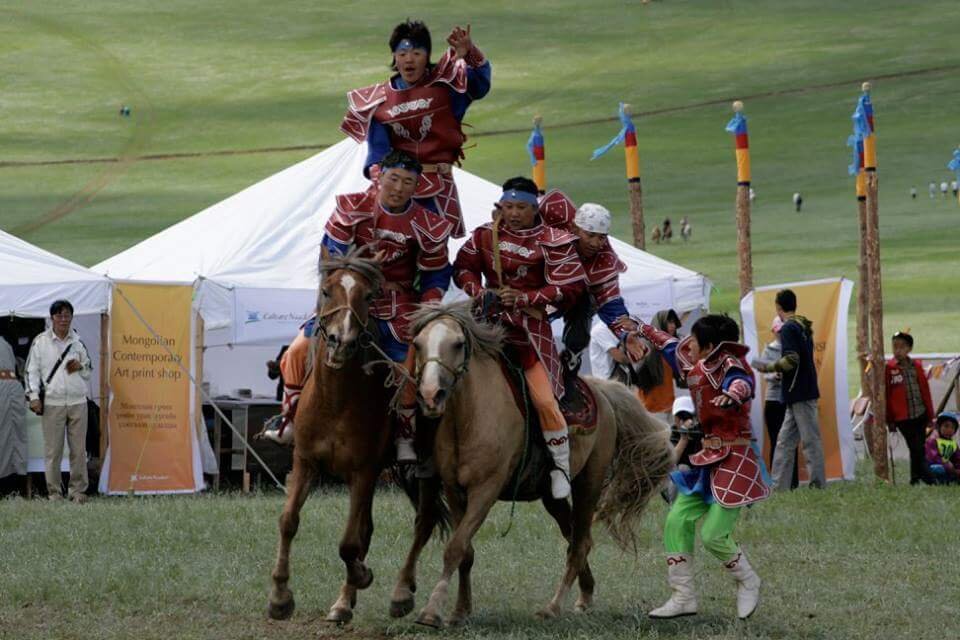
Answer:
x=748 y=584
x=558 y=443
x=683 y=600
x=406 y=430
x=278 y=429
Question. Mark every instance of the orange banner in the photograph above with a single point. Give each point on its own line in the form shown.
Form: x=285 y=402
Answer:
x=825 y=304
x=151 y=443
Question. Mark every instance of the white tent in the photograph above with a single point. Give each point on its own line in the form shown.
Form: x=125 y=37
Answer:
x=253 y=259
x=31 y=279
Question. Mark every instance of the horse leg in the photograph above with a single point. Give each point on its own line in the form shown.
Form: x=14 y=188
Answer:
x=353 y=546
x=281 y=604
x=563 y=514
x=478 y=503
x=585 y=497
x=464 y=606
x=402 y=599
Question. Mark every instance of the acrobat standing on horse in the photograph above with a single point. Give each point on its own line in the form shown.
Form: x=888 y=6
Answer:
x=602 y=267
x=516 y=266
x=727 y=473
x=419 y=111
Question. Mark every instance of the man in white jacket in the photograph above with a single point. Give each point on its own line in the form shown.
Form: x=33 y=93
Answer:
x=64 y=407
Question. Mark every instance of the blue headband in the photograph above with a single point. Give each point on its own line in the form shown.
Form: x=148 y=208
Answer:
x=407 y=44
x=516 y=195
x=413 y=166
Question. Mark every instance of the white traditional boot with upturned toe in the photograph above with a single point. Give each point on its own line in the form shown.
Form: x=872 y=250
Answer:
x=683 y=600
x=748 y=584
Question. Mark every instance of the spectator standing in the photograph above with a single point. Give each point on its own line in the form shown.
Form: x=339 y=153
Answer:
x=943 y=454
x=913 y=193
x=943 y=189
x=953 y=187
x=59 y=364
x=774 y=410
x=13 y=430
x=606 y=354
x=654 y=375
x=932 y=188
x=800 y=394
x=909 y=405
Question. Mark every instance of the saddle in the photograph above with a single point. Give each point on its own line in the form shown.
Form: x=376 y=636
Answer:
x=531 y=479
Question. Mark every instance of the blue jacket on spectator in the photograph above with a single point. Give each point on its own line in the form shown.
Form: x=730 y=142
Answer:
x=800 y=382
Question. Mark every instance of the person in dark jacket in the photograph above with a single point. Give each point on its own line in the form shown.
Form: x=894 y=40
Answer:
x=800 y=394
x=909 y=405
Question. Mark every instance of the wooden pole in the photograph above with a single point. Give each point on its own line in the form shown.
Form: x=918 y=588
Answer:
x=104 y=385
x=634 y=187
x=744 y=245
x=875 y=294
x=863 y=298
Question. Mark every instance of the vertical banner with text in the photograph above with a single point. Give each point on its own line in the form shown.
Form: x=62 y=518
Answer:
x=151 y=442
x=825 y=304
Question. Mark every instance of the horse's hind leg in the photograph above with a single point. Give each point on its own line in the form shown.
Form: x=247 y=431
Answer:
x=478 y=503
x=585 y=497
x=563 y=514
x=402 y=600
x=281 y=604
x=354 y=545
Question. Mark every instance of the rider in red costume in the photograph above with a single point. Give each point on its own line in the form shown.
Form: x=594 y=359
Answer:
x=419 y=110
x=537 y=266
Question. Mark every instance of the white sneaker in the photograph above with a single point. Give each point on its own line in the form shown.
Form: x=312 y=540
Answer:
x=683 y=600
x=748 y=584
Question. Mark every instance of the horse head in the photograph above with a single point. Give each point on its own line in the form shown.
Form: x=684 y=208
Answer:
x=348 y=286
x=445 y=339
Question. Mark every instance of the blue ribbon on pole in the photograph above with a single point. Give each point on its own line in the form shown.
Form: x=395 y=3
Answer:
x=536 y=140
x=737 y=124
x=627 y=125
x=857 y=144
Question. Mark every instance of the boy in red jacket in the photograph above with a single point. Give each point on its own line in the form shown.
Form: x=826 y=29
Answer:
x=909 y=406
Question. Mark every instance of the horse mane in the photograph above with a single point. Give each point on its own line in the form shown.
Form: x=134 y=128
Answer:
x=354 y=260
x=482 y=336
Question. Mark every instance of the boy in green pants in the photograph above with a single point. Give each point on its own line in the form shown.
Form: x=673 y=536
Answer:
x=726 y=473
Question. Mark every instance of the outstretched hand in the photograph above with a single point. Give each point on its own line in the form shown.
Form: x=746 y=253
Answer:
x=460 y=40
x=635 y=348
x=723 y=401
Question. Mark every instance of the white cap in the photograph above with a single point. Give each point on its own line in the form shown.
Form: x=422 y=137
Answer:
x=593 y=218
x=683 y=403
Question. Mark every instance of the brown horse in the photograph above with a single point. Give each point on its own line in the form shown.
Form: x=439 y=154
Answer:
x=480 y=443
x=342 y=426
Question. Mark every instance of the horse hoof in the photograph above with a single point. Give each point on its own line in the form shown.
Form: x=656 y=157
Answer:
x=581 y=607
x=339 y=616
x=400 y=608
x=280 y=610
x=429 y=620
x=458 y=619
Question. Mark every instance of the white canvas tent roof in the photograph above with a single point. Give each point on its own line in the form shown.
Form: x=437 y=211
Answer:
x=259 y=248
x=31 y=279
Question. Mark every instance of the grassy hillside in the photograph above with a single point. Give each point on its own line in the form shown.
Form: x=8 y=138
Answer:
x=216 y=76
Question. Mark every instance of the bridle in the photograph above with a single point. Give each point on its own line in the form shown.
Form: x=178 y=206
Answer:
x=457 y=372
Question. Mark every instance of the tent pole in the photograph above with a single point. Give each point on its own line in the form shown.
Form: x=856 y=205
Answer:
x=104 y=384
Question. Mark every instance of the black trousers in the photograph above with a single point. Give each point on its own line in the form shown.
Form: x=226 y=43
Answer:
x=773 y=415
x=914 y=434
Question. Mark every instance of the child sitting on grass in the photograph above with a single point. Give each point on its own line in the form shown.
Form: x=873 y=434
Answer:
x=943 y=453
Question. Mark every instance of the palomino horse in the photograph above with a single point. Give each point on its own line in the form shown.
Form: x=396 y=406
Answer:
x=343 y=426
x=480 y=443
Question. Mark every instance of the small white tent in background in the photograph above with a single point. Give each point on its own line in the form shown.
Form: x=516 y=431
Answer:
x=30 y=280
x=253 y=261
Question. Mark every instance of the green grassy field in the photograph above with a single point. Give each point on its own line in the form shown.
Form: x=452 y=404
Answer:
x=855 y=561
x=216 y=76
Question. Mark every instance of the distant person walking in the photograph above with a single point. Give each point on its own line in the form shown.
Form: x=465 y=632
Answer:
x=943 y=189
x=913 y=193
x=953 y=187
x=932 y=188
x=797 y=201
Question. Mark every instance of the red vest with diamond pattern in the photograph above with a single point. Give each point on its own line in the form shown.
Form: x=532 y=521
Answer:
x=543 y=264
x=420 y=122
x=413 y=241
x=736 y=477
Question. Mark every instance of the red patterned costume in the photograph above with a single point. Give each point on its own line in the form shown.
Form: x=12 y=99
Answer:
x=414 y=242
x=423 y=120
x=736 y=478
x=542 y=263
x=602 y=270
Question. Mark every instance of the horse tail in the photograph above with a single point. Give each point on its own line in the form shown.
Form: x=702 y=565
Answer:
x=642 y=461
x=405 y=476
